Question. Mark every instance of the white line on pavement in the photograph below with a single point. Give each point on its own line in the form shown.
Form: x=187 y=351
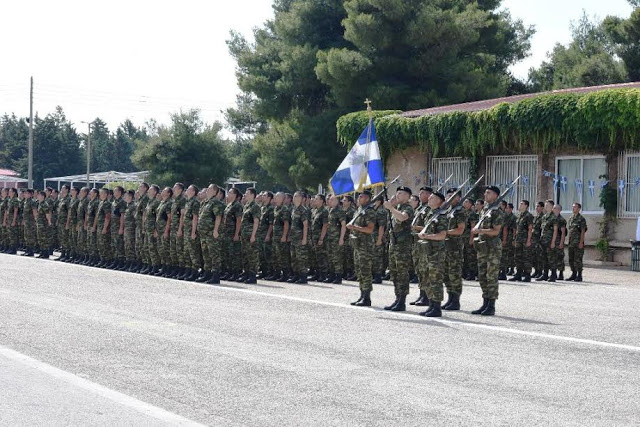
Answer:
x=117 y=397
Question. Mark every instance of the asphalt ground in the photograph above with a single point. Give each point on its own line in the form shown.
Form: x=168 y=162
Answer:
x=84 y=346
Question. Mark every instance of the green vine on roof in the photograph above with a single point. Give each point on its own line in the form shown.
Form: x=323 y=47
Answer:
x=604 y=121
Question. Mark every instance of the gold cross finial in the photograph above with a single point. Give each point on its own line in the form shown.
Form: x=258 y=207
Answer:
x=368 y=102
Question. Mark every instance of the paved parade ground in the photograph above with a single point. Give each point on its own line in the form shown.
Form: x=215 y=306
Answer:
x=82 y=346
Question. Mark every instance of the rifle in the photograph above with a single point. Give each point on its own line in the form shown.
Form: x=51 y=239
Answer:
x=379 y=196
x=496 y=204
x=445 y=205
x=424 y=208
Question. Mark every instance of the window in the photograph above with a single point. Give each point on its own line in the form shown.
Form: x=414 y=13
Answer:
x=582 y=182
x=442 y=168
x=502 y=170
x=629 y=170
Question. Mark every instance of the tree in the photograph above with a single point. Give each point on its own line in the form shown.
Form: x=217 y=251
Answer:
x=625 y=34
x=14 y=137
x=188 y=151
x=588 y=60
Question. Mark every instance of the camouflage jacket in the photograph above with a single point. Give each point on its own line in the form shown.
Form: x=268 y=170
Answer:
x=281 y=215
x=334 y=219
x=577 y=223
x=525 y=219
x=191 y=208
x=400 y=232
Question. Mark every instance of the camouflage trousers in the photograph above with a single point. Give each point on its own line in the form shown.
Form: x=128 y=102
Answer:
x=211 y=252
x=63 y=235
x=13 y=236
x=92 y=243
x=81 y=241
x=117 y=241
x=232 y=255
x=250 y=255
x=575 y=258
x=347 y=265
x=44 y=236
x=164 y=249
x=176 y=248
x=418 y=256
x=549 y=256
x=320 y=262
x=558 y=255
x=523 y=258
x=152 y=248
x=489 y=254
x=377 y=259
x=299 y=258
x=399 y=264
x=335 y=255
x=507 y=258
x=470 y=258
x=432 y=255
x=282 y=255
x=362 y=251
x=30 y=235
x=452 y=267
x=266 y=254
x=73 y=239
x=104 y=245
x=536 y=255
x=142 y=250
x=129 y=244
x=192 y=252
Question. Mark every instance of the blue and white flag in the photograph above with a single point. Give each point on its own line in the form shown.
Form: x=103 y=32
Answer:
x=546 y=173
x=556 y=179
x=563 y=182
x=604 y=183
x=362 y=167
x=637 y=181
x=592 y=188
x=525 y=180
x=578 y=183
x=621 y=185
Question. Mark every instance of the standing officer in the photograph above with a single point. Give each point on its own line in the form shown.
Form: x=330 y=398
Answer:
x=379 y=240
x=92 y=238
x=361 y=236
x=118 y=207
x=163 y=225
x=151 y=234
x=13 y=219
x=417 y=224
x=336 y=231
x=470 y=271
x=249 y=229
x=281 y=226
x=70 y=226
x=535 y=240
x=456 y=219
x=192 y=250
x=508 y=229
x=142 y=249
x=562 y=233
x=400 y=246
x=488 y=245
x=232 y=246
x=102 y=223
x=44 y=224
x=80 y=226
x=62 y=214
x=129 y=230
x=547 y=243
x=265 y=232
x=298 y=239
x=523 y=243
x=176 y=243
x=435 y=254
x=211 y=241
x=319 y=226
x=349 y=210
x=577 y=230
x=29 y=222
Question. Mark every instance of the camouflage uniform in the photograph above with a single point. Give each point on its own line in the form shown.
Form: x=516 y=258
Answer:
x=250 y=251
x=104 y=239
x=44 y=236
x=192 y=253
x=81 y=233
x=433 y=255
x=299 y=252
x=176 y=243
x=142 y=248
x=232 y=249
x=13 y=229
x=320 y=263
x=71 y=232
x=523 y=255
x=469 y=250
x=281 y=215
x=29 y=224
x=559 y=251
x=536 y=250
x=130 y=232
x=453 y=246
x=3 y=232
x=489 y=251
x=548 y=257
x=53 y=230
x=92 y=236
x=400 y=250
x=362 y=245
x=348 y=249
x=62 y=214
x=211 y=247
x=266 y=248
x=334 y=249
x=418 y=251
x=164 y=245
x=507 y=260
x=577 y=223
x=151 y=241
x=381 y=220
x=118 y=207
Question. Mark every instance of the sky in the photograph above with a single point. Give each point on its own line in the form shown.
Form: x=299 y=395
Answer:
x=142 y=59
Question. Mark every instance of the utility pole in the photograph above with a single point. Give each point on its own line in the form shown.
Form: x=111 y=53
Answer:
x=30 y=173
x=88 y=153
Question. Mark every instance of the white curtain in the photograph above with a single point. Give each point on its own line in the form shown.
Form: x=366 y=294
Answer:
x=571 y=169
x=632 y=193
x=592 y=170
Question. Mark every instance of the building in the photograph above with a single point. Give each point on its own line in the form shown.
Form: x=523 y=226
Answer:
x=568 y=145
x=11 y=179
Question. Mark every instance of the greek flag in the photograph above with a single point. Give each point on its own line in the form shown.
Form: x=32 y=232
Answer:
x=362 y=167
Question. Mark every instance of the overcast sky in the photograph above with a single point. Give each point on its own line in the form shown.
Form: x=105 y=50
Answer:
x=142 y=59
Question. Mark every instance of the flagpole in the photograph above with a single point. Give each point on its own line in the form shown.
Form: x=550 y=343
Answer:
x=367 y=102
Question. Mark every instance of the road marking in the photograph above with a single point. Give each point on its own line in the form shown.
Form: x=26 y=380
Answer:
x=439 y=320
x=115 y=396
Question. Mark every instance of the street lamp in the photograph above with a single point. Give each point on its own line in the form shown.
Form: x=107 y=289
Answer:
x=88 y=151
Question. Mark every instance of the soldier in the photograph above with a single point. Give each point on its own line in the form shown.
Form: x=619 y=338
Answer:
x=54 y=202
x=142 y=248
x=577 y=229
x=361 y=235
x=70 y=225
x=547 y=243
x=488 y=245
x=298 y=239
x=61 y=204
x=535 y=240
x=456 y=219
x=80 y=226
x=210 y=232
x=379 y=240
x=92 y=237
x=13 y=220
x=150 y=232
x=422 y=210
x=336 y=230
x=415 y=203
x=118 y=207
x=400 y=245
x=470 y=271
x=232 y=246
x=163 y=225
x=347 y=206
x=265 y=232
x=29 y=223
x=176 y=242
x=102 y=223
x=43 y=220
x=435 y=254
x=508 y=229
x=4 y=199
x=281 y=226
x=192 y=254
x=319 y=226
x=559 y=247
x=248 y=231
x=129 y=230
x=523 y=243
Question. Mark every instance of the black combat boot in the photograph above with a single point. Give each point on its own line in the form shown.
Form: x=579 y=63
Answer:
x=203 y=277
x=561 y=275
x=359 y=299
x=424 y=301
x=526 y=278
x=535 y=273
x=284 y=277
x=422 y=295
x=393 y=304
x=193 y=276
x=485 y=303
x=214 y=280
x=579 y=276
x=572 y=277
x=387 y=276
x=544 y=277
x=262 y=275
x=453 y=304
x=413 y=278
x=251 y=279
x=400 y=306
x=502 y=275
x=302 y=280
x=446 y=304
x=329 y=279
x=516 y=278
x=510 y=272
x=491 y=308
x=377 y=279
x=293 y=278
x=365 y=301
x=553 y=276
x=431 y=305
x=337 y=280
x=436 y=310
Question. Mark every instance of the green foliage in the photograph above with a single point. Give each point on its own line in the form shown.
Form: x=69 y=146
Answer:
x=603 y=121
x=608 y=201
x=602 y=246
x=188 y=151
x=625 y=34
